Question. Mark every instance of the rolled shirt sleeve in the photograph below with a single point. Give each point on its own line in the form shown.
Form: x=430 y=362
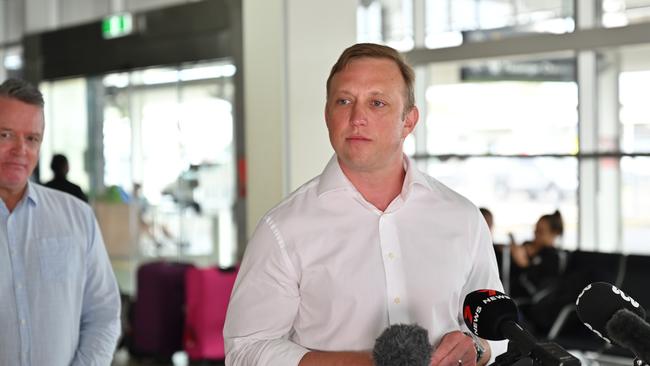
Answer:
x=263 y=304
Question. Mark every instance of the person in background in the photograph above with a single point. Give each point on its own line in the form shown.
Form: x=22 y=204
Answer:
x=502 y=252
x=60 y=167
x=536 y=263
x=58 y=294
x=489 y=218
x=369 y=243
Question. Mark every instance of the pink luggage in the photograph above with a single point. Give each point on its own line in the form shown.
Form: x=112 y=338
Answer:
x=207 y=292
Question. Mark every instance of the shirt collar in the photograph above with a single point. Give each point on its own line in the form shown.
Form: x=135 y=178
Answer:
x=333 y=178
x=413 y=177
x=30 y=193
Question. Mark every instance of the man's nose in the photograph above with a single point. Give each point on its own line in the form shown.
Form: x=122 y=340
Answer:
x=18 y=145
x=359 y=115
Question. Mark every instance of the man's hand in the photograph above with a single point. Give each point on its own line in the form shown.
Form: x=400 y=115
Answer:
x=455 y=349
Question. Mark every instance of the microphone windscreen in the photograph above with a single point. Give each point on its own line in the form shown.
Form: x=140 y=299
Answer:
x=598 y=302
x=403 y=345
x=485 y=311
x=630 y=331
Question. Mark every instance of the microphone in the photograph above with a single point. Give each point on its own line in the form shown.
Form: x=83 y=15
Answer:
x=493 y=315
x=615 y=316
x=599 y=301
x=630 y=331
x=402 y=345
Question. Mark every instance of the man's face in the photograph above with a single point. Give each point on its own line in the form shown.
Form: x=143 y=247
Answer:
x=21 y=132
x=365 y=114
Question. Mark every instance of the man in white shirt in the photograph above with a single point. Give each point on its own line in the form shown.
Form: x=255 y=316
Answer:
x=370 y=242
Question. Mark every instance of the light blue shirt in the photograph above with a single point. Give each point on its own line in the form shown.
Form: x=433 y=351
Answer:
x=59 y=301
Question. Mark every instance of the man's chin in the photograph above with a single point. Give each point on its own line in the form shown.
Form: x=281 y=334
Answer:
x=13 y=183
x=359 y=165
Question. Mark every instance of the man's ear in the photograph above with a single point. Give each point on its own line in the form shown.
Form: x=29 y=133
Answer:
x=410 y=121
x=325 y=112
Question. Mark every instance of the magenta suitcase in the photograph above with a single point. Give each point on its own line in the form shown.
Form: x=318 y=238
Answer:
x=158 y=312
x=207 y=292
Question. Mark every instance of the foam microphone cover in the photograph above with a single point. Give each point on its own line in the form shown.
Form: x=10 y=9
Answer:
x=630 y=331
x=598 y=302
x=403 y=345
x=485 y=311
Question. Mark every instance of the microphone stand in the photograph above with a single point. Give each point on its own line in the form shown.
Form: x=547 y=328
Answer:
x=543 y=354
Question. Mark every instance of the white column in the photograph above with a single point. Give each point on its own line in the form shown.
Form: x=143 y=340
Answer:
x=586 y=17
x=289 y=48
x=318 y=31
x=609 y=169
x=264 y=108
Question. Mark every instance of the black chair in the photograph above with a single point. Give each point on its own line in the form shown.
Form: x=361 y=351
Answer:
x=634 y=283
x=583 y=268
x=635 y=279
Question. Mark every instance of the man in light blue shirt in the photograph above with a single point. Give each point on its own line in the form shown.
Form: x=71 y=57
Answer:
x=59 y=301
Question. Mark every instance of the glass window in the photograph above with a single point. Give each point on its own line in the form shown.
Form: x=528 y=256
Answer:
x=635 y=111
x=386 y=21
x=618 y=13
x=635 y=195
x=502 y=108
x=66 y=129
x=450 y=23
x=171 y=132
x=517 y=191
x=634 y=119
x=517 y=134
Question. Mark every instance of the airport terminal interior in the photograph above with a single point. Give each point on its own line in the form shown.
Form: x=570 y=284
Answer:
x=184 y=121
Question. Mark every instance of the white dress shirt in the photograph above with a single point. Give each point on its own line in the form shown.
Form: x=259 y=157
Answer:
x=59 y=301
x=326 y=270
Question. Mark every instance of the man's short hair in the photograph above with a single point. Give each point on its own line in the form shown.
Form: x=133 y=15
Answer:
x=372 y=50
x=23 y=91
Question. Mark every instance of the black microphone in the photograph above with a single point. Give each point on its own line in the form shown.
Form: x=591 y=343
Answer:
x=403 y=345
x=493 y=315
x=597 y=304
x=630 y=331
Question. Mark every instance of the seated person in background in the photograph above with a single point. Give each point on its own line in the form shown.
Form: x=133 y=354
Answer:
x=60 y=168
x=501 y=251
x=536 y=263
x=487 y=215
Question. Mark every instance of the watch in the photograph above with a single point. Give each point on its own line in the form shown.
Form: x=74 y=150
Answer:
x=478 y=346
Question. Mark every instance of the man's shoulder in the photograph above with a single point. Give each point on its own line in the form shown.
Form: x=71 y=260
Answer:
x=303 y=198
x=441 y=191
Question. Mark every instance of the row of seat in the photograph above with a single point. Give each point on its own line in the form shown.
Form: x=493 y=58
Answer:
x=552 y=310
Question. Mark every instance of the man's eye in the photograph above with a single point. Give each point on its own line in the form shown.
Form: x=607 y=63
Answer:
x=378 y=103
x=5 y=135
x=343 y=101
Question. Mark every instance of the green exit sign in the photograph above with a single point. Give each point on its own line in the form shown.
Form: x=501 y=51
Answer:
x=118 y=25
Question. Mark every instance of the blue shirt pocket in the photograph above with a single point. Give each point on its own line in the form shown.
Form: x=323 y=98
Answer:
x=56 y=257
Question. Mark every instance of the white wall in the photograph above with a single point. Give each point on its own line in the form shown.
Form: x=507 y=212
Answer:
x=289 y=48
x=318 y=31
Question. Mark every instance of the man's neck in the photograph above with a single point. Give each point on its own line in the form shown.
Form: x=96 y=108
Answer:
x=378 y=187
x=11 y=198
